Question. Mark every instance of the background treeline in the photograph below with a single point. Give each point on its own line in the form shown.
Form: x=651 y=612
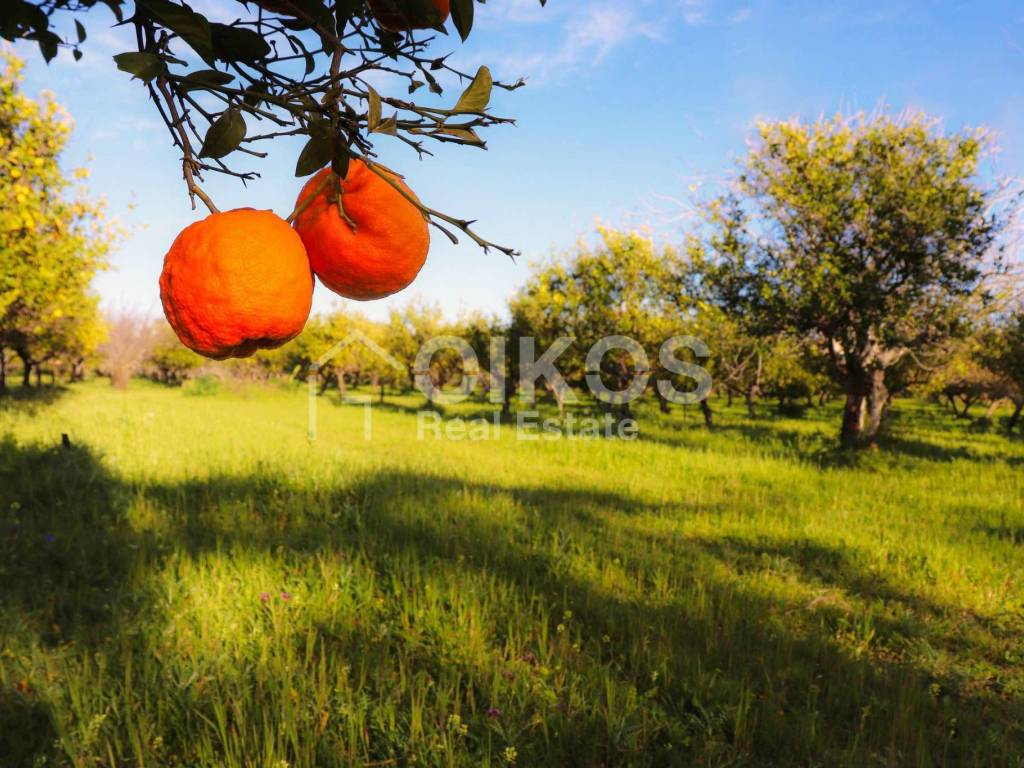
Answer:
x=856 y=258
x=625 y=284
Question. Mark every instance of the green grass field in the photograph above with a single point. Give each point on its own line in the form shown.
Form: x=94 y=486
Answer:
x=192 y=583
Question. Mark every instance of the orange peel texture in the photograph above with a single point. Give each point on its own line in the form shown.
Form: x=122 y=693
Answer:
x=386 y=249
x=236 y=282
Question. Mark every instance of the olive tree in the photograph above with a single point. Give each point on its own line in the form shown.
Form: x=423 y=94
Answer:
x=872 y=234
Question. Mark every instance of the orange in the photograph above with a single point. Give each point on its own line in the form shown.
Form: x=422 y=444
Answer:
x=403 y=15
x=386 y=249
x=236 y=282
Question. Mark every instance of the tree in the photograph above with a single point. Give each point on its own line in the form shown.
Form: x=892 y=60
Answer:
x=408 y=330
x=1002 y=352
x=869 y=233
x=625 y=286
x=52 y=243
x=130 y=340
x=171 y=359
x=288 y=67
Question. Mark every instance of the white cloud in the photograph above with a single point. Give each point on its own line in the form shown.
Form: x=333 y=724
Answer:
x=742 y=15
x=591 y=35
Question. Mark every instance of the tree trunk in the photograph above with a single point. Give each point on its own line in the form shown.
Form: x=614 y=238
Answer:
x=26 y=368
x=877 y=404
x=1015 y=416
x=992 y=407
x=705 y=408
x=39 y=376
x=3 y=371
x=751 y=396
x=662 y=401
x=849 y=433
x=728 y=396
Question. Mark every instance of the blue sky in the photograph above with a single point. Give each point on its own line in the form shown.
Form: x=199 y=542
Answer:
x=633 y=110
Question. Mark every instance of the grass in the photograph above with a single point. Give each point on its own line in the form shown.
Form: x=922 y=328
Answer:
x=192 y=583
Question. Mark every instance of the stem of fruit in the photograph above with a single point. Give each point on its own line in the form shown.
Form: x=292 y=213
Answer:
x=432 y=213
x=188 y=163
x=341 y=206
x=304 y=203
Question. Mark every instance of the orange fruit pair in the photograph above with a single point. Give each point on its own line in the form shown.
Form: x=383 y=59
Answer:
x=242 y=280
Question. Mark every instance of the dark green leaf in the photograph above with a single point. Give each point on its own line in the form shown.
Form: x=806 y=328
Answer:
x=190 y=26
x=225 y=134
x=205 y=77
x=462 y=16
x=80 y=31
x=317 y=153
x=238 y=44
x=48 y=42
x=339 y=163
x=144 y=66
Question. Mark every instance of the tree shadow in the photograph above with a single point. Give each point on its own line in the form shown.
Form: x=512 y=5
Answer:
x=31 y=400
x=740 y=682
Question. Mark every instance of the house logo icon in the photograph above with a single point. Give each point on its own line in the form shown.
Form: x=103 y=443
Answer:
x=355 y=337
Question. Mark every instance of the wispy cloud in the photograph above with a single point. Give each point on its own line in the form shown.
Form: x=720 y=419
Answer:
x=590 y=36
x=741 y=15
x=694 y=12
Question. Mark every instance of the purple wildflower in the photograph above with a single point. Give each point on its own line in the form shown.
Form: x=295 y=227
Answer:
x=494 y=713
x=264 y=597
x=286 y=595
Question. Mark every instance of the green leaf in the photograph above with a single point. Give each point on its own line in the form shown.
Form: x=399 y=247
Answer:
x=238 y=44
x=466 y=134
x=317 y=153
x=49 y=44
x=476 y=97
x=462 y=16
x=373 y=112
x=388 y=126
x=190 y=26
x=80 y=31
x=339 y=163
x=225 y=134
x=144 y=66
x=205 y=77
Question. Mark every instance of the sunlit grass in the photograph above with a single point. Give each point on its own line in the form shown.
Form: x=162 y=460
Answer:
x=194 y=583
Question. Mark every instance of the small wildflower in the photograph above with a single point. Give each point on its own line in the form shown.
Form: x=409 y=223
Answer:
x=264 y=597
x=529 y=658
x=286 y=595
x=605 y=639
x=494 y=713
x=560 y=628
x=49 y=538
x=510 y=755
x=567 y=616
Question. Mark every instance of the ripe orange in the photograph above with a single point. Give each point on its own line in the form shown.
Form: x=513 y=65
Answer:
x=236 y=282
x=403 y=15
x=385 y=251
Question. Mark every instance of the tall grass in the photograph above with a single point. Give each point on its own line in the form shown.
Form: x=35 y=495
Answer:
x=192 y=583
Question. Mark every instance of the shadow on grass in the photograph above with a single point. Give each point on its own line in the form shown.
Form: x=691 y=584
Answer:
x=743 y=678
x=31 y=399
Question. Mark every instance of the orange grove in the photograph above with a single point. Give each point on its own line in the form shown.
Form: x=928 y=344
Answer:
x=236 y=282
x=383 y=248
